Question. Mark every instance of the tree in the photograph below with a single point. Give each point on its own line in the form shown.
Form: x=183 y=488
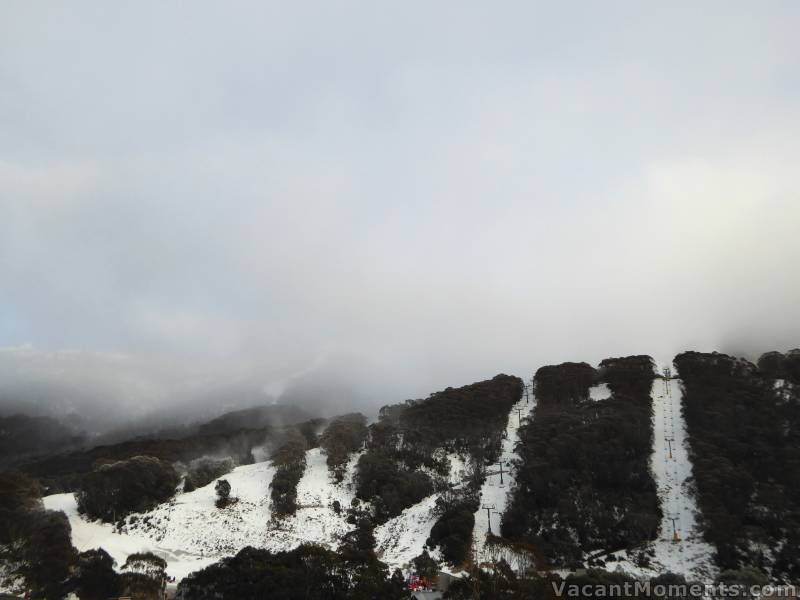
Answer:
x=95 y=578
x=144 y=576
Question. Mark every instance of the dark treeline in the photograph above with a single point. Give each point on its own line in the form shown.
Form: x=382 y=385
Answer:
x=583 y=478
x=308 y=572
x=744 y=436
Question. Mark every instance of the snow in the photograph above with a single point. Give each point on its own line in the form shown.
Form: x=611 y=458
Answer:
x=87 y=535
x=691 y=555
x=189 y=532
x=402 y=538
x=493 y=493
x=599 y=392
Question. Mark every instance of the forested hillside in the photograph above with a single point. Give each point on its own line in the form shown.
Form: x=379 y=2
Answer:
x=583 y=480
x=744 y=433
x=64 y=472
x=468 y=421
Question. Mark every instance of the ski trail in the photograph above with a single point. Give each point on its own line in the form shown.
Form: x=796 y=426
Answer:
x=680 y=547
x=493 y=492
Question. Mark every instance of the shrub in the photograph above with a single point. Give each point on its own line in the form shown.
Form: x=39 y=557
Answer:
x=223 y=489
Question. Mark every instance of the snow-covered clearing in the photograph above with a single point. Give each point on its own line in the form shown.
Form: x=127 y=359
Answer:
x=598 y=392
x=494 y=493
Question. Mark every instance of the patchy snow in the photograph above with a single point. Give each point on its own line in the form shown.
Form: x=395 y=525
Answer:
x=403 y=537
x=10 y=583
x=598 y=392
x=494 y=493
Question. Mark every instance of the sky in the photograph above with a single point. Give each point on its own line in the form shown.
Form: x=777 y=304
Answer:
x=389 y=198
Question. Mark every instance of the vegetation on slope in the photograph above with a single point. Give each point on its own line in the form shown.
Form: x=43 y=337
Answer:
x=469 y=420
x=116 y=489
x=744 y=438
x=34 y=543
x=343 y=436
x=583 y=479
x=290 y=460
x=309 y=572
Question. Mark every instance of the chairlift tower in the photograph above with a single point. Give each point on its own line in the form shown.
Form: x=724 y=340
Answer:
x=674 y=518
x=670 y=441
x=488 y=508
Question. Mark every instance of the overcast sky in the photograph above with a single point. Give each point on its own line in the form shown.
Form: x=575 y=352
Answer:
x=410 y=194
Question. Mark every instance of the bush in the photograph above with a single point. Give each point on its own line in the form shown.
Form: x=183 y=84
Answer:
x=223 y=489
x=114 y=490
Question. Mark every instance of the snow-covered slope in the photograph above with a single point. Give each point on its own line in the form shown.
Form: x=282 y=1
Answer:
x=190 y=532
x=672 y=470
x=93 y=534
x=403 y=537
x=494 y=493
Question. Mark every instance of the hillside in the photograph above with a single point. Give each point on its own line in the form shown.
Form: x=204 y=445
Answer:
x=608 y=467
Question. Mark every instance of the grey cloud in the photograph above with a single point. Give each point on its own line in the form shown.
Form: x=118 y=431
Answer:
x=405 y=197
